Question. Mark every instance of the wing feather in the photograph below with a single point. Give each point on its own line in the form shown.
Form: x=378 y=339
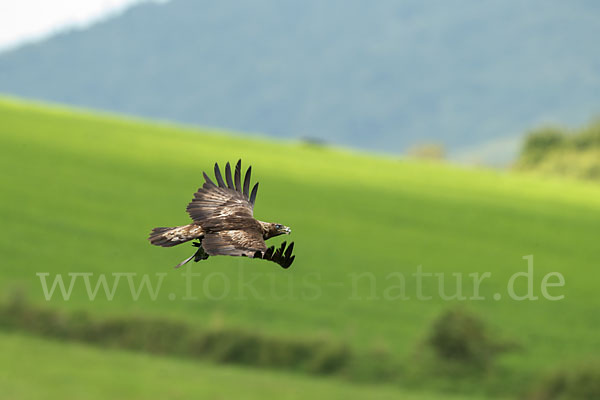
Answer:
x=279 y=251
x=238 y=176
x=247 y=181
x=253 y=194
x=234 y=243
x=219 y=176
x=290 y=249
x=228 y=176
x=223 y=206
x=208 y=181
x=246 y=243
x=280 y=256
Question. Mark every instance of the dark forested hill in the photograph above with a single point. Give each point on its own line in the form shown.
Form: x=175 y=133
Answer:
x=371 y=74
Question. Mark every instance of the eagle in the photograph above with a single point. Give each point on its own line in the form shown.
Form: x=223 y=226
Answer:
x=224 y=223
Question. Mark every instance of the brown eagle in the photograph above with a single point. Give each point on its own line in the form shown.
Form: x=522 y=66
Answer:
x=224 y=222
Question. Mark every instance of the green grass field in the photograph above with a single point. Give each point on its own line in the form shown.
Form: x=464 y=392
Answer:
x=95 y=374
x=82 y=191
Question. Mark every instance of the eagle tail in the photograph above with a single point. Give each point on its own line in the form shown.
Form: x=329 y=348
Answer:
x=168 y=237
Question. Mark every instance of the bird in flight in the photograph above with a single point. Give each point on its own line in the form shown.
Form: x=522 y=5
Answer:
x=224 y=223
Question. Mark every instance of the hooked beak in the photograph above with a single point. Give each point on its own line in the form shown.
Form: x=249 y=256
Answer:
x=287 y=230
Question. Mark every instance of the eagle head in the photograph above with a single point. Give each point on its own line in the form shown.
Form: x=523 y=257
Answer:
x=271 y=230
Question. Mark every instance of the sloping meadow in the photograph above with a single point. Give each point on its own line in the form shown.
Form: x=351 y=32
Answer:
x=383 y=245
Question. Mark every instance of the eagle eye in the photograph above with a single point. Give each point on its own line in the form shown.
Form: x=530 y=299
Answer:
x=277 y=226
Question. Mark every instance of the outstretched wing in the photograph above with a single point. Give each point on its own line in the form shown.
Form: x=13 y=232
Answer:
x=248 y=244
x=224 y=205
x=238 y=242
x=280 y=256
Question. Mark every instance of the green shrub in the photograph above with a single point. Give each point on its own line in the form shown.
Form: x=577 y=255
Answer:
x=462 y=338
x=328 y=357
x=539 y=143
x=164 y=336
x=377 y=364
x=558 y=152
x=588 y=137
x=428 y=151
x=580 y=382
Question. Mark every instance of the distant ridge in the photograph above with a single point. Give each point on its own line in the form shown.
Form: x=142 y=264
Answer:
x=379 y=75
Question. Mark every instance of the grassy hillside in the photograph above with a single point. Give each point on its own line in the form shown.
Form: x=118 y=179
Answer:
x=82 y=191
x=384 y=75
x=118 y=375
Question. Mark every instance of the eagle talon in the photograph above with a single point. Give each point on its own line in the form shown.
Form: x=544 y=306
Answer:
x=200 y=253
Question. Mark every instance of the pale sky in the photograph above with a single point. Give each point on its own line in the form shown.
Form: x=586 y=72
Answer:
x=25 y=20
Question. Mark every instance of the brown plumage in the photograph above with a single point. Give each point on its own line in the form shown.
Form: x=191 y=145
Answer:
x=224 y=223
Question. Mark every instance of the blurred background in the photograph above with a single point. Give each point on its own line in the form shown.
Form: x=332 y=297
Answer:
x=412 y=147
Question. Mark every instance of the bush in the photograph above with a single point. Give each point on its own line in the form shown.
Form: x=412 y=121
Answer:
x=428 y=151
x=377 y=364
x=558 y=152
x=539 y=143
x=580 y=382
x=459 y=337
x=588 y=138
x=164 y=336
x=328 y=357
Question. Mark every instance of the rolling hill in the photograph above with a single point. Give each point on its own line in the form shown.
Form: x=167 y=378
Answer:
x=379 y=75
x=82 y=191
x=144 y=377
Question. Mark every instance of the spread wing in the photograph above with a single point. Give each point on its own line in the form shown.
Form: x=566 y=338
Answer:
x=223 y=205
x=248 y=244
x=234 y=243
x=280 y=256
